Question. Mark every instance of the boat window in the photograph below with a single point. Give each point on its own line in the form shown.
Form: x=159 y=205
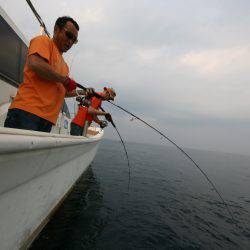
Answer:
x=12 y=54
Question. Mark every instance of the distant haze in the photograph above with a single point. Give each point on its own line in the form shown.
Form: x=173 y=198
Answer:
x=181 y=65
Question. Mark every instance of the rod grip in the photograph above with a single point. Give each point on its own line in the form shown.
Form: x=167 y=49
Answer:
x=84 y=88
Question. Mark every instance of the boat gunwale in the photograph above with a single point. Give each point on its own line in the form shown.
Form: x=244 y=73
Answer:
x=17 y=140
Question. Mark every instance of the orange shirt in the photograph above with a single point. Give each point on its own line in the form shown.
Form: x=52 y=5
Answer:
x=81 y=115
x=95 y=103
x=37 y=95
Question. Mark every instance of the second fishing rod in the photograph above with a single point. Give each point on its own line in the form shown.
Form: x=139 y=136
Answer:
x=123 y=144
x=113 y=124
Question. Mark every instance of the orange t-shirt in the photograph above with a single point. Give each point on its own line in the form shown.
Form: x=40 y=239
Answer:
x=95 y=103
x=37 y=95
x=80 y=117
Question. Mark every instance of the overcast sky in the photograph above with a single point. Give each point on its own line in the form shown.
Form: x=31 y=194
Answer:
x=182 y=65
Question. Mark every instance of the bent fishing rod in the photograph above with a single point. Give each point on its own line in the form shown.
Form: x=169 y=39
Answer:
x=182 y=151
x=114 y=126
x=178 y=147
x=123 y=144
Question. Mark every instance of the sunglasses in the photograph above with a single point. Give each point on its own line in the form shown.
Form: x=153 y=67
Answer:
x=70 y=36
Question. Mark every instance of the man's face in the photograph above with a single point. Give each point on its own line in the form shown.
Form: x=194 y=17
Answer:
x=65 y=37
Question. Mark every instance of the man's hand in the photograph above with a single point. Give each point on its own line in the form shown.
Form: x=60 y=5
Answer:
x=79 y=99
x=108 y=117
x=69 y=84
x=103 y=124
x=89 y=92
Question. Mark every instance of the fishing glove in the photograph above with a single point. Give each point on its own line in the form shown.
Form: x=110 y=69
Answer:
x=103 y=124
x=69 y=84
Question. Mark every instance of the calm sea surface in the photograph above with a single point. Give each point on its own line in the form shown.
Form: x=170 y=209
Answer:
x=169 y=204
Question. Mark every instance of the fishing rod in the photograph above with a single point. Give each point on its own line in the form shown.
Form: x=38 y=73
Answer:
x=182 y=151
x=186 y=154
x=38 y=17
x=84 y=88
x=178 y=147
x=114 y=126
x=123 y=144
x=111 y=121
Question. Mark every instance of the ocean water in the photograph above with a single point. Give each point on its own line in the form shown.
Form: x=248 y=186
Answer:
x=168 y=204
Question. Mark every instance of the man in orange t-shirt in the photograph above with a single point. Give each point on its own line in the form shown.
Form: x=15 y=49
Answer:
x=107 y=94
x=89 y=110
x=85 y=108
x=46 y=83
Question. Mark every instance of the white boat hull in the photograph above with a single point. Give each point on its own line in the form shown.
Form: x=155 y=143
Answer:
x=36 y=172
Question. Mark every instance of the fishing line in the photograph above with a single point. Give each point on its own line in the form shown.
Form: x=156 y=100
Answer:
x=125 y=150
x=178 y=147
x=186 y=154
x=198 y=167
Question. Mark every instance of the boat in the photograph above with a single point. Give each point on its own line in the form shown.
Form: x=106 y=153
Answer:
x=37 y=169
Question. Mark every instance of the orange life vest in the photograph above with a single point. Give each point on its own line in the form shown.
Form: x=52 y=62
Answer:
x=81 y=115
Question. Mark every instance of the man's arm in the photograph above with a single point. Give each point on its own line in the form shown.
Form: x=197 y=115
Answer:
x=96 y=120
x=40 y=66
x=94 y=113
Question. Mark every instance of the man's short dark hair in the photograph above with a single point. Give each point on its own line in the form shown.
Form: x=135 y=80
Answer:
x=61 y=22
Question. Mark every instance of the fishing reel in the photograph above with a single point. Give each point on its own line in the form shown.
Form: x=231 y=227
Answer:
x=83 y=101
x=103 y=124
